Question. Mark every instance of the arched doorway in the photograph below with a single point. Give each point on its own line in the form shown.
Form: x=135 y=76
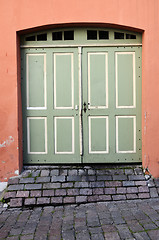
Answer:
x=81 y=91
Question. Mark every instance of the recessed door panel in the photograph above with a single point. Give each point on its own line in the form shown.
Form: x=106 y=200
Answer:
x=36 y=81
x=125 y=79
x=97 y=79
x=98 y=134
x=126 y=134
x=63 y=81
x=37 y=135
x=64 y=135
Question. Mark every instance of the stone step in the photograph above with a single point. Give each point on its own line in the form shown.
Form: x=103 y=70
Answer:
x=58 y=185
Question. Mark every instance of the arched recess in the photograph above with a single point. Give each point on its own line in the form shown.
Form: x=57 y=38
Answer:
x=81 y=95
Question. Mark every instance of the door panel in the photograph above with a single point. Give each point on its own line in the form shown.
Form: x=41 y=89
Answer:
x=51 y=123
x=36 y=80
x=97 y=79
x=65 y=115
x=125 y=79
x=63 y=81
x=95 y=94
x=112 y=119
x=37 y=135
x=126 y=134
x=98 y=134
x=64 y=135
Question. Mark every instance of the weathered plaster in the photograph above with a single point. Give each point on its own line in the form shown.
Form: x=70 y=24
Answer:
x=7 y=142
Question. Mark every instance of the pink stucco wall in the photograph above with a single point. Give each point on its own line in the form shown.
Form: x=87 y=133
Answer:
x=18 y=15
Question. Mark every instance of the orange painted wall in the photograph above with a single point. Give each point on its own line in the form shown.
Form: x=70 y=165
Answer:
x=18 y=15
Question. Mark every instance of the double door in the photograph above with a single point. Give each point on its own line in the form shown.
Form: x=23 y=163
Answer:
x=81 y=104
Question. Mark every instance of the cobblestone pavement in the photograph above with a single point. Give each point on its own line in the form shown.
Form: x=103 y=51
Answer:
x=58 y=185
x=131 y=219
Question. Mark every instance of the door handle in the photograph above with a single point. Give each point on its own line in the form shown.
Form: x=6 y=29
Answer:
x=85 y=107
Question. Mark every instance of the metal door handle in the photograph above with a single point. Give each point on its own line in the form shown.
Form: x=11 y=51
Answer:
x=89 y=106
x=85 y=107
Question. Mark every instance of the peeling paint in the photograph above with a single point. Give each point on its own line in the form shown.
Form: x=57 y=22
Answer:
x=145 y=161
x=17 y=172
x=3 y=185
x=7 y=142
x=145 y=118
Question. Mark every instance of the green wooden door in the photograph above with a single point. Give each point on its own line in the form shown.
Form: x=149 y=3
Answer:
x=81 y=104
x=50 y=94
x=112 y=95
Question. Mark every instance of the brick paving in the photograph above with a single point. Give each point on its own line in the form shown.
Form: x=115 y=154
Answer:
x=128 y=219
x=57 y=185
